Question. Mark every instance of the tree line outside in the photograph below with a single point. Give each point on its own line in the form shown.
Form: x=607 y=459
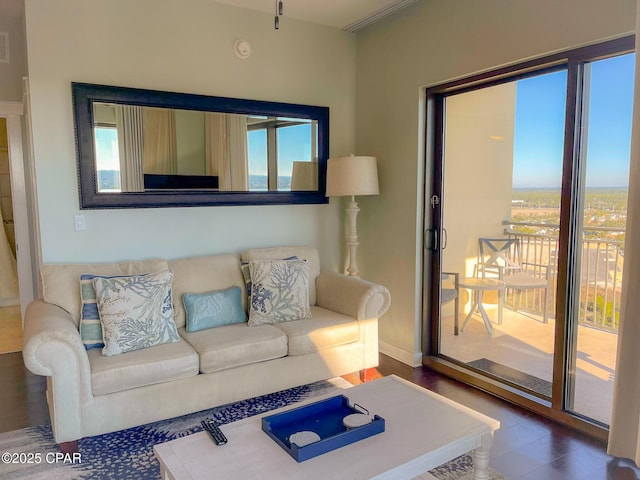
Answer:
x=603 y=208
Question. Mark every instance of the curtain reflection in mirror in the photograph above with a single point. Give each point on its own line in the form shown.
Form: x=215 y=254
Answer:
x=160 y=147
x=226 y=150
x=130 y=147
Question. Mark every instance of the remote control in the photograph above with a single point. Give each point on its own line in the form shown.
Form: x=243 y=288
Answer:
x=212 y=428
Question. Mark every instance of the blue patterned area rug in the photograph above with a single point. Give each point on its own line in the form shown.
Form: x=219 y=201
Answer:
x=461 y=468
x=128 y=454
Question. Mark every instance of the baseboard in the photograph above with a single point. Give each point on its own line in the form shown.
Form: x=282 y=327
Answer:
x=411 y=359
x=9 y=302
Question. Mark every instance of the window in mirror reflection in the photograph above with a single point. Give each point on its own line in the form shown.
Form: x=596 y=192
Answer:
x=142 y=149
x=282 y=154
x=295 y=145
x=107 y=161
x=258 y=165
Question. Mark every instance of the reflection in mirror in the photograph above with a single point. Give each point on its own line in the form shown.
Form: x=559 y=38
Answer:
x=276 y=145
x=140 y=149
x=147 y=148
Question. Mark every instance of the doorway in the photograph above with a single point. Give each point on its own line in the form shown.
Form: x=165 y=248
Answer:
x=530 y=179
x=20 y=228
x=10 y=318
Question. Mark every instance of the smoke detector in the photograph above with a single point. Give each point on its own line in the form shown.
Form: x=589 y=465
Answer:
x=242 y=49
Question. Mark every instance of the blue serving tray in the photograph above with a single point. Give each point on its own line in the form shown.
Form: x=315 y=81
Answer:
x=325 y=419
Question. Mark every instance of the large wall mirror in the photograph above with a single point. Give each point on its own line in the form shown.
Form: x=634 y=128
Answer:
x=146 y=148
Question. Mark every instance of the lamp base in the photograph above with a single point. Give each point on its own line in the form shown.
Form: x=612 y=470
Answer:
x=352 y=237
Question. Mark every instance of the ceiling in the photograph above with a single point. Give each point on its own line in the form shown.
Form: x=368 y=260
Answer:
x=350 y=15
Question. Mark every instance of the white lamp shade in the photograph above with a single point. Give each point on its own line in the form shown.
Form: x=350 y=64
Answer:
x=352 y=175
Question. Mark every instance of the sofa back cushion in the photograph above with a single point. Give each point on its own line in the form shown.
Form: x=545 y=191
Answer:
x=61 y=282
x=310 y=254
x=203 y=274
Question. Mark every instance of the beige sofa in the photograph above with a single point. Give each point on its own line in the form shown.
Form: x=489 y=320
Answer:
x=91 y=394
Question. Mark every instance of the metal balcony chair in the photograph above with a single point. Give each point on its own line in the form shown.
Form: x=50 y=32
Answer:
x=502 y=258
x=449 y=294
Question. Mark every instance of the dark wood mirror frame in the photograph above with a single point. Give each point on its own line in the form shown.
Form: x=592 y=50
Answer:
x=84 y=95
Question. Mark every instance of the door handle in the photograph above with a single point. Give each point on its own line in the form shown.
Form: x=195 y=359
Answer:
x=431 y=239
x=445 y=238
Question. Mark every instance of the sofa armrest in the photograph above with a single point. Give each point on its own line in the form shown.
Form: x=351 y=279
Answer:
x=352 y=296
x=52 y=347
x=46 y=324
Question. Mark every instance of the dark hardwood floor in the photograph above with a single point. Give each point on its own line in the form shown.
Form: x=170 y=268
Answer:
x=22 y=395
x=525 y=447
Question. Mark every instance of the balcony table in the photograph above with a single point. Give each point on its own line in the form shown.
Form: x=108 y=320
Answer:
x=479 y=285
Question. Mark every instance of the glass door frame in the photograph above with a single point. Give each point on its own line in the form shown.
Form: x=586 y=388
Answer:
x=567 y=302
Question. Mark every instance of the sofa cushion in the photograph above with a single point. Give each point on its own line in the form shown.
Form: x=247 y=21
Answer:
x=279 y=291
x=310 y=254
x=236 y=345
x=162 y=363
x=326 y=329
x=60 y=283
x=203 y=274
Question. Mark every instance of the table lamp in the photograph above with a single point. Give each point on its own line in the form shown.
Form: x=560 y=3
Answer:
x=352 y=176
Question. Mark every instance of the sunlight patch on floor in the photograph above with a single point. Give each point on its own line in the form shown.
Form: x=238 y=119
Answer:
x=526 y=344
x=10 y=329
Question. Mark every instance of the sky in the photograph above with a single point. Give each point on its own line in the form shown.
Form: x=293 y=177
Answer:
x=539 y=126
x=107 y=148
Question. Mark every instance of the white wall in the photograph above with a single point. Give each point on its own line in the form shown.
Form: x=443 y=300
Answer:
x=478 y=171
x=12 y=22
x=190 y=141
x=184 y=46
x=427 y=44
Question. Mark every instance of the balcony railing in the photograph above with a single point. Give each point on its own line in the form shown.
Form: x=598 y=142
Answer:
x=600 y=270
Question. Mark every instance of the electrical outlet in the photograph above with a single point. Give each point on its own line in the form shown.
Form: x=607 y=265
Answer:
x=79 y=222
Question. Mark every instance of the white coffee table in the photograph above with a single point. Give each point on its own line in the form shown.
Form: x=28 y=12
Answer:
x=422 y=431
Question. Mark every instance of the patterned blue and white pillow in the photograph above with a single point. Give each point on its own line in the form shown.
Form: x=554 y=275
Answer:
x=136 y=311
x=279 y=291
x=246 y=274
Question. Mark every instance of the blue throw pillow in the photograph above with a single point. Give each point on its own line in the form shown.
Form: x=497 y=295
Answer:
x=213 y=309
x=90 y=325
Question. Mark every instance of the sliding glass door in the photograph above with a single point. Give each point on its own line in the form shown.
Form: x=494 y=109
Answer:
x=502 y=164
x=606 y=127
x=526 y=215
